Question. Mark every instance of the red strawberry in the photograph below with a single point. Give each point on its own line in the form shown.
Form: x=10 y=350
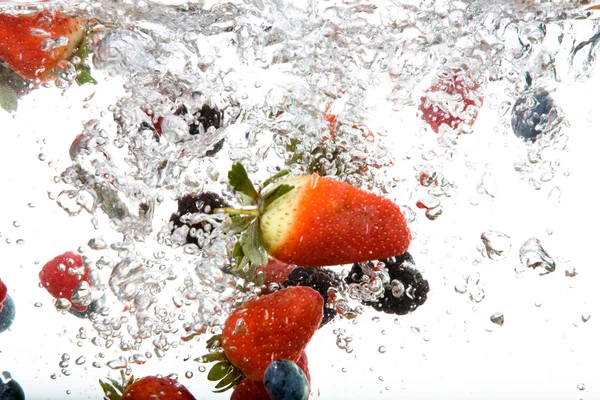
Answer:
x=250 y=390
x=149 y=387
x=32 y=44
x=322 y=222
x=275 y=326
x=317 y=221
x=62 y=275
x=452 y=100
x=255 y=390
x=275 y=272
x=3 y=292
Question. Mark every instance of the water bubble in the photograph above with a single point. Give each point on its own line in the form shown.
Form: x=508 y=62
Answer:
x=80 y=361
x=533 y=255
x=97 y=244
x=460 y=288
x=488 y=185
x=585 y=317
x=382 y=349
x=119 y=363
x=581 y=386
x=497 y=318
x=497 y=245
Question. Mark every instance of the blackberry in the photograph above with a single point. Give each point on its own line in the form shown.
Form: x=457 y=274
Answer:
x=207 y=116
x=196 y=203
x=319 y=279
x=400 y=299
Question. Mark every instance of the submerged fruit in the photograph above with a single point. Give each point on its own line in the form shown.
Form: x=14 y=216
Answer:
x=284 y=380
x=322 y=222
x=274 y=326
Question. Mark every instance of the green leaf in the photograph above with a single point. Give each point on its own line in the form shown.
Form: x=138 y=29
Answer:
x=85 y=76
x=251 y=244
x=272 y=179
x=111 y=392
x=8 y=98
x=238 y=179
x=219 y=370
x=229 y=379
x=84 y=72
x=275 y=194
x=210 y=343
x=235 y=382
x=239 y=223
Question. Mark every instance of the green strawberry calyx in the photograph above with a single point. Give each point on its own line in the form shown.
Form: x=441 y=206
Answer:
x=224 y=372
x=249 y=251
x=113 y=389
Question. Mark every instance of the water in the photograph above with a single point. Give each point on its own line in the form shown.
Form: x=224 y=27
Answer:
x=472 y=116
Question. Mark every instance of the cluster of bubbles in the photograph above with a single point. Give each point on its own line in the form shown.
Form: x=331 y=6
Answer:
x=300 y=87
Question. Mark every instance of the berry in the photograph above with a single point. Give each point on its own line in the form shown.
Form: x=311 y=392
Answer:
x=196 y=203
x=317 y=221
x=3 y=293
x=284 y=380
x=63 y=275
x=27 y=54
x=406 y=289
x=274 y=326
x=531 y=113
x=451 y=101
x=7 y=315
x=248 y=389
x=319 y=279
x=94 y=307
x=148 y=387
x=9 y=388
x=255 y=390
x=206 y=117
x=276 y=272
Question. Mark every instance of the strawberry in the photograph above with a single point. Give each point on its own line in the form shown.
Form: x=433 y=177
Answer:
x=276 y=272
x=317 y=221
x=3 y=292
x=275 y=326
x=250 y=390
x=33 y=44
x=255 y=390
x=63 y=275
x=451 y=101
x=149 y=387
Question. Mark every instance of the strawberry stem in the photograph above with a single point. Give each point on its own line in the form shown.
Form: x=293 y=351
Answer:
x=237 y=211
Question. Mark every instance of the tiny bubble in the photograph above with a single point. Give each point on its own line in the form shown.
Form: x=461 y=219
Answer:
x=382 y=349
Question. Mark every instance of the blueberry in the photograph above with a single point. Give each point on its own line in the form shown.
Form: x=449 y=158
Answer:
x=94 y=307
x=530 y=113
x=284 y=380
x=9 y=388
x=7 y=315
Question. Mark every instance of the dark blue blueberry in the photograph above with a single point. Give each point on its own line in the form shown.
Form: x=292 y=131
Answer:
x=9 y=388
x=284 y=380
x=7 y=315
x=529 y=110
x=94 y=307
